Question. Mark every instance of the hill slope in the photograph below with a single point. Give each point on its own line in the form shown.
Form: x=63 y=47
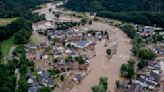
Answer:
x=147 y=12
x=12 y=8
x=116 y=5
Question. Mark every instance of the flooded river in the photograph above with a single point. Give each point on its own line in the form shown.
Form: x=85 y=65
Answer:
x=101 y=66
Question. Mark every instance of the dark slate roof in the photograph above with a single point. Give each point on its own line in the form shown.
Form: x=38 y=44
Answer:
x=33 y=88
x=154 y=64
x=159 y=50
x=142 y=80
x=49 y=81
x=135 y=87
x=45 y=78
x=82 y=44
x=78 y=76
x=65 y=32
x=150 y=83
x=154 y=76
x=44 y=74
x=30 y=76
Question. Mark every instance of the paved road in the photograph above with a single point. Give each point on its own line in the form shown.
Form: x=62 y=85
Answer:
x=17 y=78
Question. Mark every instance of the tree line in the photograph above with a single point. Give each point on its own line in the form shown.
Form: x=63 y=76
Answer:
x=17 y=25
x=21 y=28
x=146 y=12
x=15 y=8
x=116 y=5
x=8 y=75
x=138 y=50
x=144 y=18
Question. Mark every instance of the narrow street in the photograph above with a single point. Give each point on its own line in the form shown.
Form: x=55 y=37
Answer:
x=17 y=78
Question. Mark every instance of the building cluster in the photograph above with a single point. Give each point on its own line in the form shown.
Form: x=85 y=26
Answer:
x=65 y=52
x=149 y=31
x=148 y=80
x=159 y=50
x=38 y=79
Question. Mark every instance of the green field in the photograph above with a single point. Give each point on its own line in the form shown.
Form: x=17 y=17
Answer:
x=6 y=45
x=5 y=21
x=33 y=39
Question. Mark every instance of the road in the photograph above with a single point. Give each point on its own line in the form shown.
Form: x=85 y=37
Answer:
x=17 y=78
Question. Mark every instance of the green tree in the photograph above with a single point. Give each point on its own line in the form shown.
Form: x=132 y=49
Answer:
x=7 y=78
x=159 y=37
x=103 y=85
x=22 y=36
x=129 y=30
x=135 y=49
x=142 y=64
x=131 y=62
x=117 y=83
x=127 y=70
x=104 y=82
x=56 y=60
x=80 y=60
x=146 y=54
x=108 y=51
x=23 y=85
x=98 y=89
x=62 y=78
x=90 y=22
x=83 y=21
x=0 y=56
x=45 y=89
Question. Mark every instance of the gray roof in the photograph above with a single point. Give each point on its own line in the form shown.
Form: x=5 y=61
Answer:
x=150 y=83
x=33 y=88
x=154 y=76
x=49 y=81
x=78 y=76
x=142 y=80
x=135 y=87
x=45 y=78
x=30 y=76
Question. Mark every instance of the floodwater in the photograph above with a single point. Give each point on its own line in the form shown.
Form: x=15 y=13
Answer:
x=45 y=10
x=50 y=16
x=101 y=66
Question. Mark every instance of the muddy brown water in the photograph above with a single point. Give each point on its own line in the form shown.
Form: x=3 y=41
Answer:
x=101 y=66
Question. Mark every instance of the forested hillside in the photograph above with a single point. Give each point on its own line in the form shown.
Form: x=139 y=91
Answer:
x=12 y=8
x=147 y=12
x=16 y=26
x=116 y=5
x=16 y=20
x=22 y=10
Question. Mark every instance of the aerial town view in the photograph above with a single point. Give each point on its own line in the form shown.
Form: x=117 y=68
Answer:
x=81 y=46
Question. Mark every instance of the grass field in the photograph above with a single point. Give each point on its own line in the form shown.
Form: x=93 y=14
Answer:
x=5 y=21
x=6 y=45
x=33 y=39
x=43 y=5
